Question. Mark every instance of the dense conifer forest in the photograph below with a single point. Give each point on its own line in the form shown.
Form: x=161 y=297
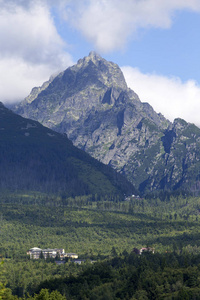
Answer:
x=105 y=234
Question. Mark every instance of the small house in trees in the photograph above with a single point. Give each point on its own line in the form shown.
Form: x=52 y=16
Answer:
x=148 y=249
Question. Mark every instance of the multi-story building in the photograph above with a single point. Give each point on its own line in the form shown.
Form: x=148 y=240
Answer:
x=36 y=253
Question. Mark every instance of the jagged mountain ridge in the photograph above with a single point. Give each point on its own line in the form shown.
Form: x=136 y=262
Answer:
x=91 y=102
x=35 y=158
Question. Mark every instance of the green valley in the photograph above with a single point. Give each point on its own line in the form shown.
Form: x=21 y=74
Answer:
x=96 y=230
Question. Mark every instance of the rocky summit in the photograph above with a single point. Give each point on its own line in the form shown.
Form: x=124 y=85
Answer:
x=92 y=104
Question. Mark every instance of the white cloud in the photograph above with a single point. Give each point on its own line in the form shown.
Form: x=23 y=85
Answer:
x=108 y=24
x=170 y=96
x=18 y=77
x=31 y=49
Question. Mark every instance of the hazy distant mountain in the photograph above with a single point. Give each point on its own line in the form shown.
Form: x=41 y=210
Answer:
x=91 y=102
x=35 y=158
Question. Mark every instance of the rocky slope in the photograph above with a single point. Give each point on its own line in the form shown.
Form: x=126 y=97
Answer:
x=35 y=158
x=91 y=102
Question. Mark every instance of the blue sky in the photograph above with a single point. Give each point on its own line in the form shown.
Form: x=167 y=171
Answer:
x=155 y=42
x=170 y=52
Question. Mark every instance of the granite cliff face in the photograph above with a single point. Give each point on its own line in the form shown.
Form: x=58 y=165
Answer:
x=91 y=102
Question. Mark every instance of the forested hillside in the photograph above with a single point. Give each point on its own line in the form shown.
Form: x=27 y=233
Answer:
x=35 y=158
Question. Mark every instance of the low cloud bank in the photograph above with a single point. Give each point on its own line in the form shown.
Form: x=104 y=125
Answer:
x=31 y=49
x=169 y=96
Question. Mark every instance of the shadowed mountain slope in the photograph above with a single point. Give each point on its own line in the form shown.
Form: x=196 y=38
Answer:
x=35 y=158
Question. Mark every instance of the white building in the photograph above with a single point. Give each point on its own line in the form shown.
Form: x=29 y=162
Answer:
x=35 y=253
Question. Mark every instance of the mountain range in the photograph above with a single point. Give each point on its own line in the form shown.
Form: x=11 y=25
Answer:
x=35 y=158
x=91 y=103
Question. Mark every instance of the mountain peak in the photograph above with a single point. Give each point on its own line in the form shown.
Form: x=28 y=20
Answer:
x=93 y=56
x=100 y=70
x=91 y=103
